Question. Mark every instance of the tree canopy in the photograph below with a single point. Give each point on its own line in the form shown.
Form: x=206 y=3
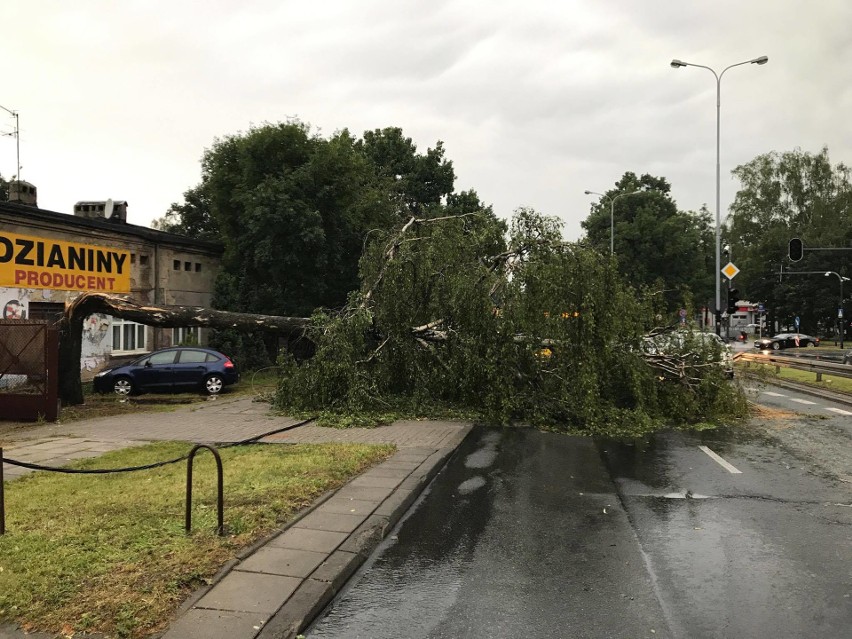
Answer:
x=782 y=196
x=293 y=209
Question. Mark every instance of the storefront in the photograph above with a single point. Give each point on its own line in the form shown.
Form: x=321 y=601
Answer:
x=48 y=258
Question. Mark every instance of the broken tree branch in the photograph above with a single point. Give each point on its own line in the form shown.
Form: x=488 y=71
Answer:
x=164 y=316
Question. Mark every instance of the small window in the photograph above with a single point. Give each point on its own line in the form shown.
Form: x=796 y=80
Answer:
x=50 y=311
x=192 y=357
x=176 y=265
x=133 y=258
x=212 y=358
x=185 y=336
x=187 y=266
x=197 y=267
x=127 y=336
x=143 y=260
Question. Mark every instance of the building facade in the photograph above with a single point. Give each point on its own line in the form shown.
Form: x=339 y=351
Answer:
x=48 y=258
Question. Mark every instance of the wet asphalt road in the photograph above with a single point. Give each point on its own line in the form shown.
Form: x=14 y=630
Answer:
x=529 y=534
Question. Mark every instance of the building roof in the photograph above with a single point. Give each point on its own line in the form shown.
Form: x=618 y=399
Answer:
x=24 y=213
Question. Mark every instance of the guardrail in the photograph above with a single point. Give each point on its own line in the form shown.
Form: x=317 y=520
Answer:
x=818 y=367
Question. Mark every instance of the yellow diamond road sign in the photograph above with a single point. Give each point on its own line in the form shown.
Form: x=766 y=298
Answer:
x=730 y=270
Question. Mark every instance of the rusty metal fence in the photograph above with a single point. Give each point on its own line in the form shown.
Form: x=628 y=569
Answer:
x=29 y=365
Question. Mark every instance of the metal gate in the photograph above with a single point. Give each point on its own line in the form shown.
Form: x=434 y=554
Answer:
x=29 y=364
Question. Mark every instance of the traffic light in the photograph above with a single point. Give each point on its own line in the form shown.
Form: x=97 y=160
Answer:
x=796 y=249
x=733 y=298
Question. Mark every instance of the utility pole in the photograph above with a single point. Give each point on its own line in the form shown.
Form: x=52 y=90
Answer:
x=17 y=135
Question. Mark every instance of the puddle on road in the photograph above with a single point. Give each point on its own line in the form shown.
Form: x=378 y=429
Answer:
x=472 y=484
x=633 y=488
x=486 y=455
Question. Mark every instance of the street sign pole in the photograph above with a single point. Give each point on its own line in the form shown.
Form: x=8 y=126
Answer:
x=730 y=271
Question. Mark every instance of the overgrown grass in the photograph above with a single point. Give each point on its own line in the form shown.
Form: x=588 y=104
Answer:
x=767 y=373
x=108 y=553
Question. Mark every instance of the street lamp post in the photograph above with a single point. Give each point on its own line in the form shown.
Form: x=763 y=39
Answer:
x=840 y=314
x=17 y=135
x=611 y=215
x=677 y=64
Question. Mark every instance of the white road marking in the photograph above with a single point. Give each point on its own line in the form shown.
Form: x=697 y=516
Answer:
x=802 y=401
x=730 y=468
x=839 y=411
x=771 y=394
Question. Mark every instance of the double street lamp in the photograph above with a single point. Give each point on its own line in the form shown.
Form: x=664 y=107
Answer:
x=680 y=63
x=840 y=308
x=17 y=135
x=611 y=215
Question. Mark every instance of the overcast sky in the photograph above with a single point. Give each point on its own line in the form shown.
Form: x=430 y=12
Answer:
x=536 y=101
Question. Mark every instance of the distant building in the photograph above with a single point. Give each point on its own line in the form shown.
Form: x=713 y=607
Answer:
x=48 y=258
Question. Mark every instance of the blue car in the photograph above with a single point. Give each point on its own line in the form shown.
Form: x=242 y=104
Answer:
x=170 y=370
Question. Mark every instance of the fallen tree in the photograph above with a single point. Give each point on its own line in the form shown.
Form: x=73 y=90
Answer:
x=451 y=315
x=163 y=316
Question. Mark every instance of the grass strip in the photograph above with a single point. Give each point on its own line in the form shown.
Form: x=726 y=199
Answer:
x=108 y=553
x=829 y=382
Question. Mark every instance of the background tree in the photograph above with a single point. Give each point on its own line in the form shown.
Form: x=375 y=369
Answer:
x=4 y=190
x=418 y=182
x=786 y=195
x=192 y=217
x=656 y=245
x=293 y=210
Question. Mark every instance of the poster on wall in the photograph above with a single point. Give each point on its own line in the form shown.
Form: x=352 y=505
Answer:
x=14 y=309
x=33 y=262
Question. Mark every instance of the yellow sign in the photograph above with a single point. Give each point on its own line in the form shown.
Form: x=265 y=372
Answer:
x=730 y=270
x=34 y=262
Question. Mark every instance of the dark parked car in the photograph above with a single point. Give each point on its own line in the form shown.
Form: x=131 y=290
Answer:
x=169 y=370
x=786 y=340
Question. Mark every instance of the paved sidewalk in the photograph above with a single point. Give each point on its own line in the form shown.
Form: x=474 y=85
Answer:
x=221 y=420
x=276 y=588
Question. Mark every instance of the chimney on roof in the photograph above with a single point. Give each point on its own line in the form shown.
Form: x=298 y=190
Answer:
x=23 y=193
x=114 y=211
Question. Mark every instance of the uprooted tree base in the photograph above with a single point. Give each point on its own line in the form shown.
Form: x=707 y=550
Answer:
x=539 y=331
x=164 y=316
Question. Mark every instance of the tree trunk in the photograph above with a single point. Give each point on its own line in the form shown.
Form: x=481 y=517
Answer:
x=71 y=329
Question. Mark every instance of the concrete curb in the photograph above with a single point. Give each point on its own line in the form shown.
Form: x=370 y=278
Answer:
x=247 y=552
x=277 y=587
x=311 y=598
